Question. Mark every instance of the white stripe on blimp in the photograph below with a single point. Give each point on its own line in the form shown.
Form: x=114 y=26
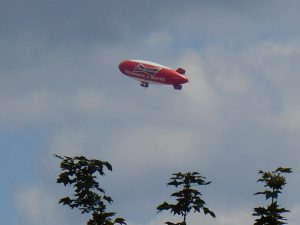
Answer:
x=150 y=63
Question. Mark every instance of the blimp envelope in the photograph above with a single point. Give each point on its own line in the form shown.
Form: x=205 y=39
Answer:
x=149 y=72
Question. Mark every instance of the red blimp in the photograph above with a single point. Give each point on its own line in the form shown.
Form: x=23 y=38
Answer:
x=149 y=72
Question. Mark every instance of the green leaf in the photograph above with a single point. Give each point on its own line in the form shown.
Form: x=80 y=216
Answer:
x=119 y=221
x=164 y=206
x=207 y=211
x=65 y=201
x=284 y=170
x=108 y=199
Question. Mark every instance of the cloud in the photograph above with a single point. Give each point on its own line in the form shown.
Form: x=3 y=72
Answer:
x=227 y=217
x=227 y=115
x=159 y=39
x=152 y=145
x=290 y=119
x=90 y=102
x=293 y=215
x=37 y=205
x=29 y=108
x=238 y=113
x=276 y=62
x=200 y=95
x=46 y=107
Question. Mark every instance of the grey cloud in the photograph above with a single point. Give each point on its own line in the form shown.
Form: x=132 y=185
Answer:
x=64 y=22
x=84 y=23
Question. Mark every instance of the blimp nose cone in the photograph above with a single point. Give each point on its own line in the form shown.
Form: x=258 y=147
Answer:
x=121 y=66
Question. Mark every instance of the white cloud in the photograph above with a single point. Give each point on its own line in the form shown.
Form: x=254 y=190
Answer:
x=69 y=142
x=281 y=49
x=277 y=62
x=233 y=217
x=79 y=139
x=233 y=83
x=90 y=102
x=200 y=96
x=143 y=148
x=38 y=206
x=28 y=108
x=159 y=39
x=47 y=107
x=227 y=217
x=293 y=215
x=290 y=119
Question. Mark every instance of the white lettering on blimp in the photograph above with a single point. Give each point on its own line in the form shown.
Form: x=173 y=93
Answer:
x=145 y=76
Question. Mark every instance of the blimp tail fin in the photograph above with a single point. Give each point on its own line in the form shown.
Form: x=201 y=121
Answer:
x=180 y=70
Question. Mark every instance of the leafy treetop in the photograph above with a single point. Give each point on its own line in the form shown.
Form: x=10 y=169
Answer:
x=274 y=182
x=79 y=172
x=188 y=198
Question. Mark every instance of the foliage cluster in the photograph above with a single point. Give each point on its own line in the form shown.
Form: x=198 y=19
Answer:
x=274 y=182
x=81 y=173
x=187 y=198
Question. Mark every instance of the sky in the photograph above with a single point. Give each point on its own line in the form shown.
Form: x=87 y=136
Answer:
x=61 y=93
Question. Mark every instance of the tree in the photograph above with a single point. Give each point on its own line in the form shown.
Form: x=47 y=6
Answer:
x=187 y=198
x=273 y=182
x=89 y=197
